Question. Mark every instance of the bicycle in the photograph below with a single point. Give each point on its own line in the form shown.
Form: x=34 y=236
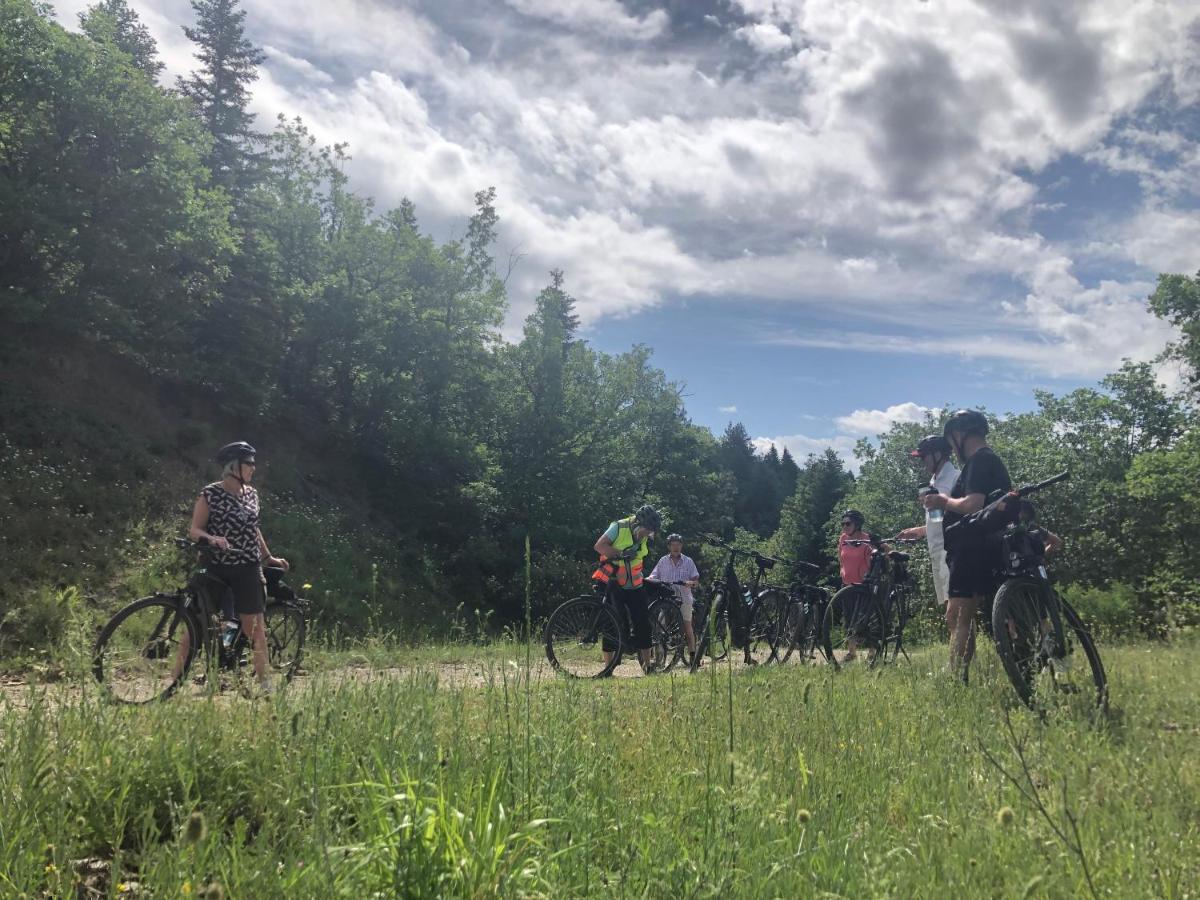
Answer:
x=668 y=640
x=146 y=651
x=589 y=636
x=753 y=622
x=1034 y=629
x=873 y=613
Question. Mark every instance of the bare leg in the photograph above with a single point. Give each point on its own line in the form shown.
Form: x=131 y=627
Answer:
x=181 y=655
x=960 y=617
x=690 y=635
x=255 y=627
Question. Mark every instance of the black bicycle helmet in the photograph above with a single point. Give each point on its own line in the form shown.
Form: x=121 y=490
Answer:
x=856 y=517
x=673 y=537
x=966 y=421
x=239 y=450
x=647 y=516
x=931 y=443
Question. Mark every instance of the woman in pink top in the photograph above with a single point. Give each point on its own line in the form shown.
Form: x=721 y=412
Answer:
x=855 y=562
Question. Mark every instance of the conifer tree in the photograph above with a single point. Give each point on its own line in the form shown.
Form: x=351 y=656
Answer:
x=113 y=22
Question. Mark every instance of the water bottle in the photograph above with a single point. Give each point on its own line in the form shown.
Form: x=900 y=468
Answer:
x=934 y=516
x=229 y=634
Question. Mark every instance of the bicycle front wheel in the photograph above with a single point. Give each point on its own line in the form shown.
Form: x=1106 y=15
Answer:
x=583 y=638
x=853 y=622
x=286 y=630
x=794 y=623
x=767 y=621
x=1022 y=630
x=667 y=640
x=1070 y=678
x=145 y=650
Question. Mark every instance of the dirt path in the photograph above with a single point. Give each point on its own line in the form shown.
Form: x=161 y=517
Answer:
x=21 y=692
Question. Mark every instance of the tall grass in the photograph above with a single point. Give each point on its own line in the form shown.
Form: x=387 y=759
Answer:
x=776 y=782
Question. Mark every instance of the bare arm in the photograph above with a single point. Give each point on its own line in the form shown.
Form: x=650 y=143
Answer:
x=604 y=546
x=268 y=559
x=200 y=522
x=911 y=534
x=1053 y=543
x=964 y=506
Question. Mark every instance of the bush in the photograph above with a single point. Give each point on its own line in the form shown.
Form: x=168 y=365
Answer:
x=1111 y=609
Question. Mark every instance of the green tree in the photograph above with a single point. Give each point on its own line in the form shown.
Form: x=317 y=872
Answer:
x=220 y=87
x=113 y=23
x=1177 y=299
x=822 y=487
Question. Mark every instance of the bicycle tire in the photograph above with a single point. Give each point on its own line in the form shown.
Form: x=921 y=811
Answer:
x=767 y=619
x=575 y=636
x=713 y=639
x=667 y=641
x=864 y=620
x=793 y=627
x=1099 y=677
x=286 y=630
x=143 y=639
x=1017 y=615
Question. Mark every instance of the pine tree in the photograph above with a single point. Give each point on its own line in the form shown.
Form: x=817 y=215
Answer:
x=113 y=22
x=220 y=87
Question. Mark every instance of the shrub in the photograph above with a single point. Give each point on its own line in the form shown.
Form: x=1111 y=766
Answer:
x=1111 y=609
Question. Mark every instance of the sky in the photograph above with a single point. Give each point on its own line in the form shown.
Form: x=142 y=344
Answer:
x=823 y=215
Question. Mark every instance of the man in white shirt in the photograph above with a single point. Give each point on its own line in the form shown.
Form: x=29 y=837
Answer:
x=677 y=567
x=934 y=453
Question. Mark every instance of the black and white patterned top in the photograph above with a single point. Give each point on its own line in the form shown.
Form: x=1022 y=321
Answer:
x=234 y=518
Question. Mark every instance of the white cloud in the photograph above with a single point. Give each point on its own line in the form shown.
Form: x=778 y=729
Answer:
x=765 y=37
x=870 y=422
x=801 y=446
x=606 y=16
x=295 y=65
x=727 y=409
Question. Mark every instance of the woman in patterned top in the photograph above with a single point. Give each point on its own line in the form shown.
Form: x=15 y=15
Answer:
x=226 y=517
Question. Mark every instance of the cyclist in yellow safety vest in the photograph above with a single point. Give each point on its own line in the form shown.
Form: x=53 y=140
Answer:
x=623 y=548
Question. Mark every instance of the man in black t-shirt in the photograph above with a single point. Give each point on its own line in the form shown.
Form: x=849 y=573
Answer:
x=969 y=559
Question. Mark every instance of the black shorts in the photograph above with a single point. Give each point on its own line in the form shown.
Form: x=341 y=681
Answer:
x=247 y=584
x=637 y=616
x=972 y=571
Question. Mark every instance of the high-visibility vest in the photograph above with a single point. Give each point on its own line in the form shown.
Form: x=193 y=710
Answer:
x=627 y=572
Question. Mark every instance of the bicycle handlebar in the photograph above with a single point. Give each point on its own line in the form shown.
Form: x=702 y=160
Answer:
x=1023 y=491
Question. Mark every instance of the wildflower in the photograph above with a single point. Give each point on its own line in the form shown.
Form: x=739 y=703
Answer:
x=196 y=828
x=804 y=816
x=1005 y=815
x=186 y=890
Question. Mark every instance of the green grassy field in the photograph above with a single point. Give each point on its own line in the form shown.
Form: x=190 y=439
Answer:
x=777 y=782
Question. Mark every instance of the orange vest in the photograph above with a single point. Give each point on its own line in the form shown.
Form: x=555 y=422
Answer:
x=627 y=572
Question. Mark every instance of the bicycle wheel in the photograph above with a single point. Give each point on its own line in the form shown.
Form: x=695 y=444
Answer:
x=768 y=613
x=1070 y=678
x=853 y=619
x=794 y=622
x=286 y=630
x=1023 y=632
x=667 y=641
x=810 y=638
x=712 y=632
x=895 y=617
x=145 y=650
x=578 y=634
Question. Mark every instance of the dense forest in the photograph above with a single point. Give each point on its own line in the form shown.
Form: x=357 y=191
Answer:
x=176 y=276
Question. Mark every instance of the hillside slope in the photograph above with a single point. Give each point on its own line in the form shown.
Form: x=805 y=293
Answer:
x=102 y=462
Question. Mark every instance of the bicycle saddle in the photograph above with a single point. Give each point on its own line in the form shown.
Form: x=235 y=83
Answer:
x=898 y=556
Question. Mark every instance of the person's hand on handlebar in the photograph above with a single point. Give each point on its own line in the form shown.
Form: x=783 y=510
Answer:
x=277 y=562
x=217 y=542
x=911 y=534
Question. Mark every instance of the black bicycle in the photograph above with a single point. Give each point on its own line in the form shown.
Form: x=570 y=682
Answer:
x=589 y=636
x=1036 y=632
x=870 y=615
x=749 y=619
x=147 y=650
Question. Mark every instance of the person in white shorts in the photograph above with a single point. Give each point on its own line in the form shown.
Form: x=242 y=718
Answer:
x=934 y=453
x=677 y=567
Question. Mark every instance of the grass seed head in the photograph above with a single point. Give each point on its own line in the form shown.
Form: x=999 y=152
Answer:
x=804 y=816
x=1005 y=815
x=196 y=828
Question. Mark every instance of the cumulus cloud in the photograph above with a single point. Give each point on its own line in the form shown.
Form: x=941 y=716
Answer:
x=727 y=409
x=870 y=422
x=793 y=153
